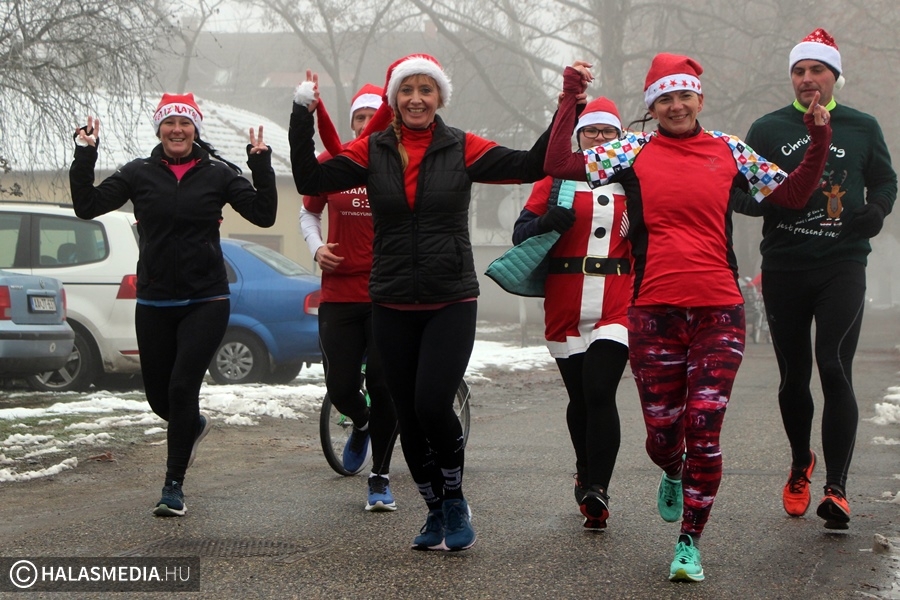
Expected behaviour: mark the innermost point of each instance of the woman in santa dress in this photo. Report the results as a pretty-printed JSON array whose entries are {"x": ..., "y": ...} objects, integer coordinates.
[{"x": 587, "y": 293}]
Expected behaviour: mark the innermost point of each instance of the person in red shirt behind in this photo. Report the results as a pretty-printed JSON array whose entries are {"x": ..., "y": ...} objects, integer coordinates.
[
  {"x": 686, "y": 322},
  {"x": 345, "y": 316}
]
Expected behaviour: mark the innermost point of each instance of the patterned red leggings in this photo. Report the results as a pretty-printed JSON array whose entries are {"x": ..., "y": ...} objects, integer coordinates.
[{"x": 684, "y": 362}]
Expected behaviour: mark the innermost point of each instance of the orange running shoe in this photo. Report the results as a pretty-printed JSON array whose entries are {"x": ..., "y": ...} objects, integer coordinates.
[
  {"x": 834, "y": 508},
  {"x": 795, "y": 496}
]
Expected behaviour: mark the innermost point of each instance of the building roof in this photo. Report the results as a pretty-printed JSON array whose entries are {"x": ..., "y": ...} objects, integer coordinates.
[{"x": 225, "y": 127}]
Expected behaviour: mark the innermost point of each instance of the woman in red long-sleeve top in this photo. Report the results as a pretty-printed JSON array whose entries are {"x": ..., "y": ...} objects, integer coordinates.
[{"x": 686, "y": 321}]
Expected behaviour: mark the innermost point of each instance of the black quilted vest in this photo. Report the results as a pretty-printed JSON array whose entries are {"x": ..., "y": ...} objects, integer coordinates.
[{"x": 421, "y": 256}]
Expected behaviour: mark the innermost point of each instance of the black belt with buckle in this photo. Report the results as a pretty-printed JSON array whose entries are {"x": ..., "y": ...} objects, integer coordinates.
[{"x": 590, "y": 265}]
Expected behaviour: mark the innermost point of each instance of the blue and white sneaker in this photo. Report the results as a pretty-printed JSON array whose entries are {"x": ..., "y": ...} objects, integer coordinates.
[
  {"x": 172, "y": 502},
  {"x": 458, "y": 532},
  {"x": 431, "y": 536},
  {"x": 357, "y": 450},
  {"x": 205, "y": 426},
  {"x": 380, "y": 497}
]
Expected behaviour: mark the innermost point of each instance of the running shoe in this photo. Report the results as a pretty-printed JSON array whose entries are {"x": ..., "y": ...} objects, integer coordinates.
[
  {"x": 834, "y": 508},
  {"x": 686, "y": 566},
  {"x": 595, "y": 508},
  {"x": 431, "y": 536},
  {"x": 795, "y": 496},
  {"x": 203, "y": 429},
  {"x": 172, "y": 502},
  {"x": 357, "y": 450},
  {"x": 669, "y": 500},
  {"x": 580, "y": 490},
  {"x": 458, "y": 532},
  {"x": 380, "y": 497}
]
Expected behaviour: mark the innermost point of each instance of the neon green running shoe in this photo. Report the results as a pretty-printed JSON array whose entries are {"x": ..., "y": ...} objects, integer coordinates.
[
  {"x": 686, "y": 566},
  {"x": 669, "y": 500}
]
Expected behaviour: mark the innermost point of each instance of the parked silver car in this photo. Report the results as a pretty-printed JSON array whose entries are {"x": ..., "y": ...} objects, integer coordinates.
[
  {"x": 96, "y": 260},
  {"x": 34, "y": 335}
]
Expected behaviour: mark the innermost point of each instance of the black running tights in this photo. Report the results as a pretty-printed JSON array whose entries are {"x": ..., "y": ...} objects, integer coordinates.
[
  {"x": 833, "y": 297},
  {"x": 425, "y": 354},
  {"x": 177, "y": 344},
  {"x": 591, "y": 379},
  {"x": 345, "y": 333}
]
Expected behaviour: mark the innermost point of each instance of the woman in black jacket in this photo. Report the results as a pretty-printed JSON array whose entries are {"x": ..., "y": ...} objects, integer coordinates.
[
  {"x": 419, "y": 173},
  {"x": 182, "y": 290}
]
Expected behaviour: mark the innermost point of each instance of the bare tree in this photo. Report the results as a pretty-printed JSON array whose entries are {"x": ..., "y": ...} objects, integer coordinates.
[
  {"x": 188, "y": 34},
  {"x": 55, "y": 55},
  {"x": 338, "y": 33}
]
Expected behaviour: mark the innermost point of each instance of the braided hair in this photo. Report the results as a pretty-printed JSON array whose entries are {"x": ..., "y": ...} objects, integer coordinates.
[
  {"x": 397, "y": 126},
  {"x": 215, "y": 154}
]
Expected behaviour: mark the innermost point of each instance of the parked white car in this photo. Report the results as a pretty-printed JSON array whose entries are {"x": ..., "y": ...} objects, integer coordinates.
[{"x": 90, "y": 258}]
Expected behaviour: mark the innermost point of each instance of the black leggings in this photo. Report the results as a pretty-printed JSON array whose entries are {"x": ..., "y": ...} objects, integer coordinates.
[
  {"x": 591, "y": 379},
  {"x": 425, "y": 355},
  {"x": 834, "y": 297},
  {"x": 177, "y": 344},
  {"x": 345, "y": 334}
]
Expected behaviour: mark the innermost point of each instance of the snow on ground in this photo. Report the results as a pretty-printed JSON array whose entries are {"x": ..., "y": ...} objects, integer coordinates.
[
  {"x": 100, "y": 418},
  {"x": 103, "y": 417}
]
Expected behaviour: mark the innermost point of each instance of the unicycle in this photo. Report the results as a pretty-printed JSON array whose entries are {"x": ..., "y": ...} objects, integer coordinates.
[{"x": 335, "y": 428}]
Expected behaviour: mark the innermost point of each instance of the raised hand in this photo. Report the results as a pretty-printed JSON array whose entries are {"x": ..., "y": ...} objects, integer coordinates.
[
  {"x": 821, "y": 114},
  {"x": 307, "y": 93},
  {"x": 89, "y": 134},
  {"x": 584, "y": 68},
  {"x": 257, "y": 146}
]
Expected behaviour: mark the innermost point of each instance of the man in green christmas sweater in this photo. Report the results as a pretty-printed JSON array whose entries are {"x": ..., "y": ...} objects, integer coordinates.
[{"x": 814, "y": 268}]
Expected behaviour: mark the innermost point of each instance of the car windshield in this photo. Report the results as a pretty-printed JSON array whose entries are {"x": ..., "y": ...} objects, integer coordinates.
[{"x": 277, "y": 261}]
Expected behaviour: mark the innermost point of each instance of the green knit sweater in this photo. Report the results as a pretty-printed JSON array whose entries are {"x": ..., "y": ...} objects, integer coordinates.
[{"x": 858, "y": 171}]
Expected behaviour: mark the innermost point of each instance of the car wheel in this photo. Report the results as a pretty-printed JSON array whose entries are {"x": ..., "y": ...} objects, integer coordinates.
[
  {"x": 241, "y": 358},
  {"x": 77, "y": 374},
  {"x": 284, "y": 373}
]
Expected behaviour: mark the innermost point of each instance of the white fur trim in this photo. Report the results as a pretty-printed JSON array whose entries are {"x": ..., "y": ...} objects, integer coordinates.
[
  {"x": 180, "y": 110},
  {"x": 365, "y": 101},
  {"x": 305, "y": 93},
  {"x": 816, "y": 51},
  {"x": 671, "y": 83},
  {"x": 598, "y": 117},
  {"x": 418, "y": 66},
  {"x": 839, "y": 82}
]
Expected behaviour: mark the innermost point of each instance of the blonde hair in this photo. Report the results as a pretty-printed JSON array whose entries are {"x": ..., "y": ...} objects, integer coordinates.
[{"x": 398, "y": 132}]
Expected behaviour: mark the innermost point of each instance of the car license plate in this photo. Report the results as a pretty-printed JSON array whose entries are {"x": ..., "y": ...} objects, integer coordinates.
[{"x": 43, "y": 304}]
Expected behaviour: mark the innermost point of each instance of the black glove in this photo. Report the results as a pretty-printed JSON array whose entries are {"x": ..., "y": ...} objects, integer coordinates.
[
  {"x": 557, "y": 219},
  {"x": 866, "y": 220}
]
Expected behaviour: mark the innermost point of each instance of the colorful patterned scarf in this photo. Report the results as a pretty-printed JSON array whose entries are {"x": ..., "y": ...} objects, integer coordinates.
[{"x": 602, "y": 162}]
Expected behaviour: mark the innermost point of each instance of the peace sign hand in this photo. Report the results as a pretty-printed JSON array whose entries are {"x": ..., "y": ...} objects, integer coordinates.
[
  {"x": 257, "y": 145},
  {"x": 89, "y": 134},
  {"x": 307, "y": 93}
]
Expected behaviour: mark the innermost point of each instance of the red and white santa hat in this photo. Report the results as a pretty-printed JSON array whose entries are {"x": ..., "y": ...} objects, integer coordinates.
[
  {"x": 182, "y": 105},
  {"x": 671, "y": 73},
  {"x": 599, "y": 111},
  {"x": 820, "y": 46},
  {"x": 368, "y": 96},
  {"x": 416, "y": 64}
]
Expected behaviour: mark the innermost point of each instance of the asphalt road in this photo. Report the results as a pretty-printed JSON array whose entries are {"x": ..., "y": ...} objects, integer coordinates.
[{"x": 269, "y": 518}]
